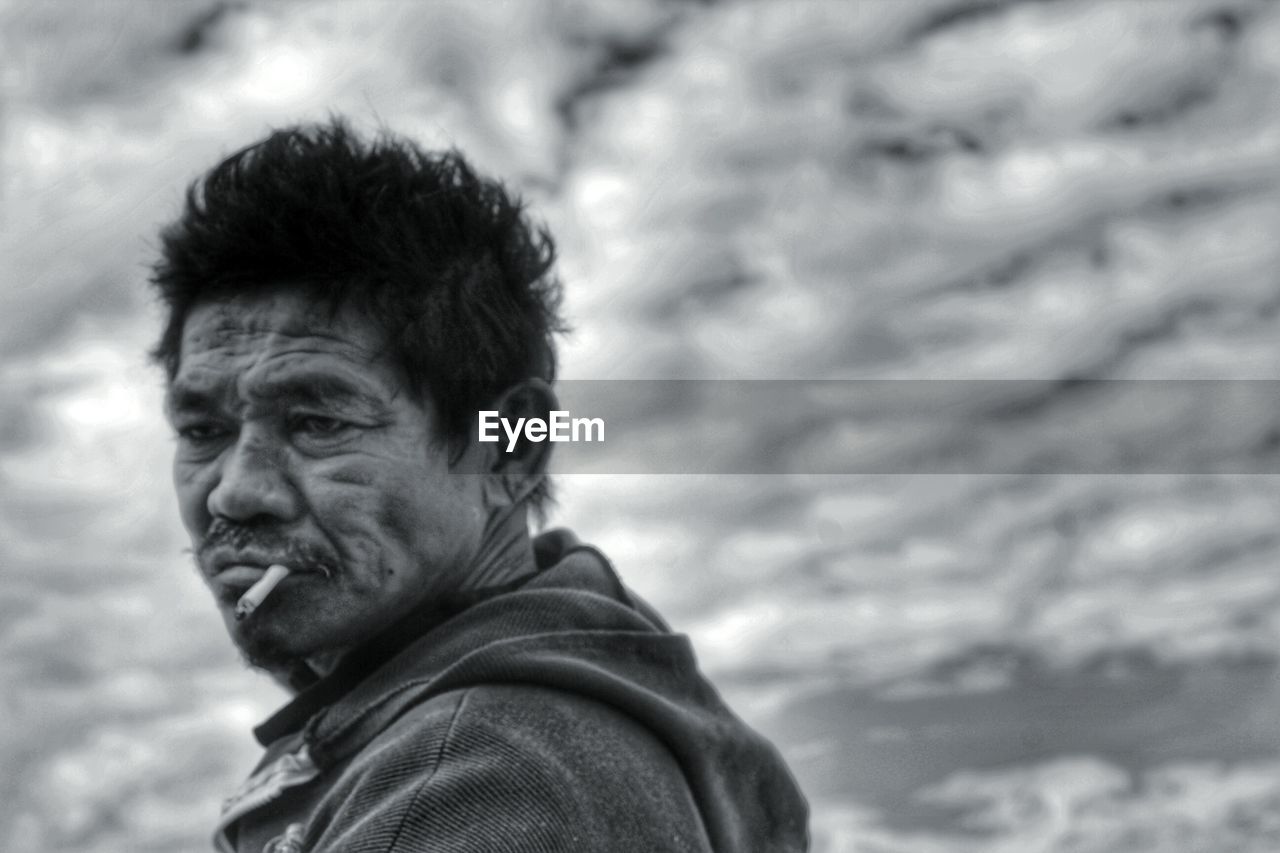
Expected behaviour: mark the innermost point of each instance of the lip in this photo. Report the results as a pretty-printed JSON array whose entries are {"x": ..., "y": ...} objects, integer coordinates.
[
  {"x": 224, "y": 556},
  {"x": 256, "y": 559},
  {"x": 241, "y": 574},
  {"x": 227, "y": 566}
]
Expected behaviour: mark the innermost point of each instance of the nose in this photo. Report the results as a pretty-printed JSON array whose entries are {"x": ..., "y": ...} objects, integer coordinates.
[{"x": 254, "y": 483}]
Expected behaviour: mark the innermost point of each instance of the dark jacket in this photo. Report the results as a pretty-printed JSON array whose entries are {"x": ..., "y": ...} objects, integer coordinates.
[{"x": 558, "y": 716}]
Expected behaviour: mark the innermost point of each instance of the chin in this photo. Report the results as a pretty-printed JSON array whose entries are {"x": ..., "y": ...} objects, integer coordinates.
[
  {"x": 267, "y": 654},
  {"x": 266, "y": 644}
]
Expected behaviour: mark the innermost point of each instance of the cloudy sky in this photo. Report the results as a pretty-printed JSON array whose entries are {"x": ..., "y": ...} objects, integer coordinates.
[{"x": 955, "y": 654}]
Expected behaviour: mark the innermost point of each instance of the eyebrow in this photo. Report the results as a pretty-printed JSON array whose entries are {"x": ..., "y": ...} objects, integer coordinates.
[{"x": 315, "y": 389}]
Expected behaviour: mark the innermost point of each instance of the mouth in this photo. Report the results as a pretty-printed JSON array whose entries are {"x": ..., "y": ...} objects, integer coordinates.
[
  {"x": 240, "y": 575},
  {"x": 233, "y": 581},
  {"x": 243, "y": 568}
]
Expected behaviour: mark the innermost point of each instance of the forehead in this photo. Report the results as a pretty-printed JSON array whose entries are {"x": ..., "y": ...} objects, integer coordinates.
[{"x": 278, "y": 331}]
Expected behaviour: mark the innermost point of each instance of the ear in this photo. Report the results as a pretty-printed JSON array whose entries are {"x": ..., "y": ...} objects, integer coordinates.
[{"x": 517, "y": 465}]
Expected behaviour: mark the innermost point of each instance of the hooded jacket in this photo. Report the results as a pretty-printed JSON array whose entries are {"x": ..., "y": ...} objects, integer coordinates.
[{"x": 561, "y": 715}]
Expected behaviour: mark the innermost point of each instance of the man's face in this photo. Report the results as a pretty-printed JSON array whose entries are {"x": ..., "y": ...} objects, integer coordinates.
[{"x": 298, "y": 443}]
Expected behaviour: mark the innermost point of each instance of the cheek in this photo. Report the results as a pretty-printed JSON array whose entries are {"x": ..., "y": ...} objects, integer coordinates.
[
  {"x": 395, "y": 521},
  {"x": 350, "y": 476},
  {"x": 342, "y": 494},
  {"x": 403, "y": 525},
  {"x": 434, "y": 524},
  {"x": 376, "y": 519}
]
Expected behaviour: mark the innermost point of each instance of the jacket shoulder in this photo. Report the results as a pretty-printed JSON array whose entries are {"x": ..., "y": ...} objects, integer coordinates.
[{"x": 511, "y": 767}]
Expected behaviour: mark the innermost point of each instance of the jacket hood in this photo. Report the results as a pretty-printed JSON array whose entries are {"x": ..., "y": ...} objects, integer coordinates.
[{"x": 576, "y": 628}]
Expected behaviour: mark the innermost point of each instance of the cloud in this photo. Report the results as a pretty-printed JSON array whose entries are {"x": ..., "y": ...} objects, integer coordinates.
[{"x": 881, "y": 190}]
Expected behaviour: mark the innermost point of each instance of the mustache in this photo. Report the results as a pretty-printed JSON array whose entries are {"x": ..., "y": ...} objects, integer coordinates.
[{"x": 296, "y": 554}]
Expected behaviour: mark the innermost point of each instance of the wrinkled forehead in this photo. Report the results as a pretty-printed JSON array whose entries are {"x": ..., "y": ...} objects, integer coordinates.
[
  {"x": 279, "y": 315},
  {"x": 276, "y": 331},
  {"x": 273, "y": 310}
]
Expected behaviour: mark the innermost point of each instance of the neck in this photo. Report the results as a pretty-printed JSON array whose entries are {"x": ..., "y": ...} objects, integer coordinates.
[{"x": 505, "y": 553}]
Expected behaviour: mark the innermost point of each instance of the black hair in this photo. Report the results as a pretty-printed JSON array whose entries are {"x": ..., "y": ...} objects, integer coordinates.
[{"x": 445, "y": 262}]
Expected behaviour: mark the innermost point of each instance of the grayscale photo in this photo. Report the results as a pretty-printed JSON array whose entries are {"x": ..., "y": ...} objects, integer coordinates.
[{"x": 723, "y": 426}]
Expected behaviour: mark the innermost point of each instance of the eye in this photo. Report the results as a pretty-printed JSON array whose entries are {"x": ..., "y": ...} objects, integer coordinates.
[
  {"x": 318, "y": 426},
  {"x": 201, "y": 432}
]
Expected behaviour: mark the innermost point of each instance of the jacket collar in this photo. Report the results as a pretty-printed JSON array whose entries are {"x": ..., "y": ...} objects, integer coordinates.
[
  {"x": 319, "y": 693},
  {"x": 574, "y": 589}
]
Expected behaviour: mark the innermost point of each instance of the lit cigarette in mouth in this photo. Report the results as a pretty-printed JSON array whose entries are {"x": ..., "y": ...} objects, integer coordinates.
[{"x": 259, "y": 591}]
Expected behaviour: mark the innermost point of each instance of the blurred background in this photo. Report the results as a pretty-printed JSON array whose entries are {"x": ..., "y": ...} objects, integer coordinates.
[{"x": 863, "y": 189}]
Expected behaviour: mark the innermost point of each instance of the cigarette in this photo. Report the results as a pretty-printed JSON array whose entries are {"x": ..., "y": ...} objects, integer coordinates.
[{"x": 254, "y": 596}]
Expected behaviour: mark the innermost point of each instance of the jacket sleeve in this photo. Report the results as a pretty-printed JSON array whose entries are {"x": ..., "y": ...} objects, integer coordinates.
[{"x": 511, "y": 769}]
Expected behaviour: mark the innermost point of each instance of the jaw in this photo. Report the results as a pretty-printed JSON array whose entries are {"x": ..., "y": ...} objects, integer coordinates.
[
  {"x": 313, "y": 622},
  {"x": 265, "y": 639},
  {"x": 325, "y": 662}
]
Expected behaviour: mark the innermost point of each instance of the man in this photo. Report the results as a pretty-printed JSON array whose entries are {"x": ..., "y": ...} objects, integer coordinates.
[{"x": 338, "y": 312}]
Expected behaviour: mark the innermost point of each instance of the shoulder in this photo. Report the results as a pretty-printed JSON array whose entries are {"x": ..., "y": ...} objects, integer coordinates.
[
  {"x": 524, "y": 767},
  {"x": 563, "y": 753}
]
